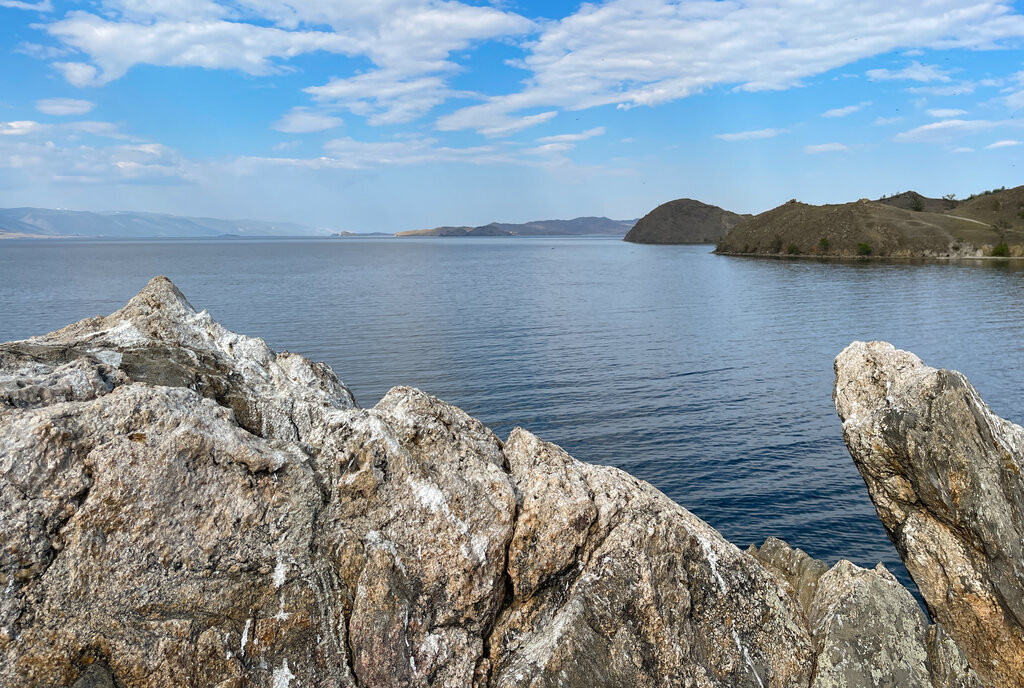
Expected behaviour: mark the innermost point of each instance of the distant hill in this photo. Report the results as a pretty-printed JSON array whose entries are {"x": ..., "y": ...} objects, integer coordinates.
[
  {"x": 41, "y": 222},
  {"x": 911, "y": 200},
  {"x": 684, "y": 221},
  {"x": 579, "y": 226},
  {"x": 975, "y": 227}
]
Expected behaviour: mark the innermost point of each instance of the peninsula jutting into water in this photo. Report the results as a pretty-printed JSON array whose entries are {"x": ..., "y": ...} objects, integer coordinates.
[{"x": 907, "y": 225}]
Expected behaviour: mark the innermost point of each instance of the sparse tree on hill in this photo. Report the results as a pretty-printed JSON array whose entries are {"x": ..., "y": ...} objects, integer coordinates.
[
  {"x": 950, "y": 200},
  {"x": 916, "y": 204}
]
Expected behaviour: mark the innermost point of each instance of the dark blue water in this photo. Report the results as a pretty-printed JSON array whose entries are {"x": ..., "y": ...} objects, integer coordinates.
[{"x": 708, "y": 376}]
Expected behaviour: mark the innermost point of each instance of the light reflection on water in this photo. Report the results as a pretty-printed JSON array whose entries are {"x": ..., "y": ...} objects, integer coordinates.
[{"x": 708, "y": 376}]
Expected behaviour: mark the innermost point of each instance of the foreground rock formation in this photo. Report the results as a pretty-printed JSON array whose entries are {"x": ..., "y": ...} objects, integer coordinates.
[
  {"x": 179, "y": 505},
  {"x": 944, "y": 473}
]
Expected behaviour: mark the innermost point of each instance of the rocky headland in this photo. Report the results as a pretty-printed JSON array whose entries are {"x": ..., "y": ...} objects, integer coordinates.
[
  {"x": 684, "y": 221},
  {"x": 906, "y": 225},
  {"x": 182, "y": 506}
]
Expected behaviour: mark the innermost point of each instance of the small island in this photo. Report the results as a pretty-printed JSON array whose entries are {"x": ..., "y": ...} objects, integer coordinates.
[{"x": 907, "y": 225}]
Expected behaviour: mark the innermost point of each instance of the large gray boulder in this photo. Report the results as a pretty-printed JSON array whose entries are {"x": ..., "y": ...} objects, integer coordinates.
[
  {"x": 180, "y": 505},
  {"x": 944, "y": 473}
]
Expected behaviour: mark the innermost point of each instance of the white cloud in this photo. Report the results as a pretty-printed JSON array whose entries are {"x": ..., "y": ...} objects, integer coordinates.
[
  {"x": 410, "y": 42},
  {"x": 385, "y": 97},
  {"x": 286, "y": 145},
  {"x": 946, "y": 130},
  {"x": 962, "y": 149},
  {"x": 47, "y": 162},
  {"x": 646, "y": 52},
  {"x": 748, "y": 135},
  {"x": 913, "y": 72},
  {"x": 489, "y": 123},
  {"x": 825, "y": 148},
  {"x": 115, "y": 47},
  {"x": 1015, "y": 99},
  {"x": 626, "y": 53},
  {"x": 883, "y": 121},
  {"x": 569, "y": 138},
  {"x": 19, "y": 128},
  {"x": 963, "y": 88},
  {"x": 844, "y": 111},
  {"x": 1002, "y": 144},
  {"x": 945, "y": 113},
  {"x": 301, "y": 120},
  {"x": 64, "y": 106},
  {"x": 78, "y": 74},
  {"x": 549, "y": 149},
  {"x": 41, "y": 52},
  {"x": 348, "y": 153},
  {"x": 40, "y": 6}
]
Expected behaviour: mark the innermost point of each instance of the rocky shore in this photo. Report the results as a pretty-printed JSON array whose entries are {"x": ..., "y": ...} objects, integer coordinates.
[{"x": 182, "y": 506}]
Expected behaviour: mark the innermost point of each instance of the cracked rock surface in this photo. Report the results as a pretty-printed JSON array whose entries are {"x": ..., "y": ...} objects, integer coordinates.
[
  {"x": 944, "y": 473},
  {"x": 182, "y": 506}
]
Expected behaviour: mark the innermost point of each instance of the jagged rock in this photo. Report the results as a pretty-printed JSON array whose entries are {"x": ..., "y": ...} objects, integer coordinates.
[
  {"x": 868, "y": 631},
  {"x": 866, "y": 627},
  {"x": 616, "y": 585},
  {"x": 160, "y": 339},
  {"x": 944, "y": 473},
  {"x": 179, "y": 505},
  {"x": 800, "y": 571}
]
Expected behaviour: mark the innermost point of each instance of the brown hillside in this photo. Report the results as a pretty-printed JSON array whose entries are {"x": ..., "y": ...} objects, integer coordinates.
[
  {"x": 911, "y": 200},
  {"x": 865, "y": 228},
  {"x": 992, "y": 206},
  {"x": 684, "y": 221}
]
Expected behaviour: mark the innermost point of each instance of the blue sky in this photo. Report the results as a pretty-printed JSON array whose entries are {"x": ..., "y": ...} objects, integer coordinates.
[{"x": 402, "y": 114}]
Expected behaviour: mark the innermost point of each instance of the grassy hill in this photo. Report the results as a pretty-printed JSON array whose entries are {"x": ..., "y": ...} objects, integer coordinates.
[
  {"x": 984, "y": 225},
  {"x": 684, "y": 221}
]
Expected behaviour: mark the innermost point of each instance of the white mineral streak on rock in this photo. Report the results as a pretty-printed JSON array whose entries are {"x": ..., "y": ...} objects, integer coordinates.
[
  {"x": 746, "y": 654},
  {"x": 245, "y": 637},
  {"x": 111, "y": 358},
  {"x": 280, "y": 572},
  {"x": 283, "y": 675},
  {"x": 712, "y": 559},
  {"x": 281, "y": 615},
  {"x": 375, "y": 539}
]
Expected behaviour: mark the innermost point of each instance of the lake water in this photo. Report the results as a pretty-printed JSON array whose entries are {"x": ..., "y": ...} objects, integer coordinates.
[{"x": 708, "y": 376}]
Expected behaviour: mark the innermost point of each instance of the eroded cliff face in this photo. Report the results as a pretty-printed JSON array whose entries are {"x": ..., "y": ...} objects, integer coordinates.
[
  {"x": 179, "y": 505},
  {"x": 944, "y": 473}
]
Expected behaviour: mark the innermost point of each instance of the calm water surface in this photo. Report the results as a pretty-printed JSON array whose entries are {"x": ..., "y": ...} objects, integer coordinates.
[{"x": 708, "y": 376}]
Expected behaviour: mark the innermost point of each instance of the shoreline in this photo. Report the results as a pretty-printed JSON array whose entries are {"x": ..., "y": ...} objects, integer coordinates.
[{"x": 866, "y": 259}]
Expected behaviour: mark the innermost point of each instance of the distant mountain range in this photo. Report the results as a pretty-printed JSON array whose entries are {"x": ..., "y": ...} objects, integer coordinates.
[
  {"x": 47, "y": 223},
  {"x": 579, "y": 226},
  {"x": 41, "y": 222}
]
